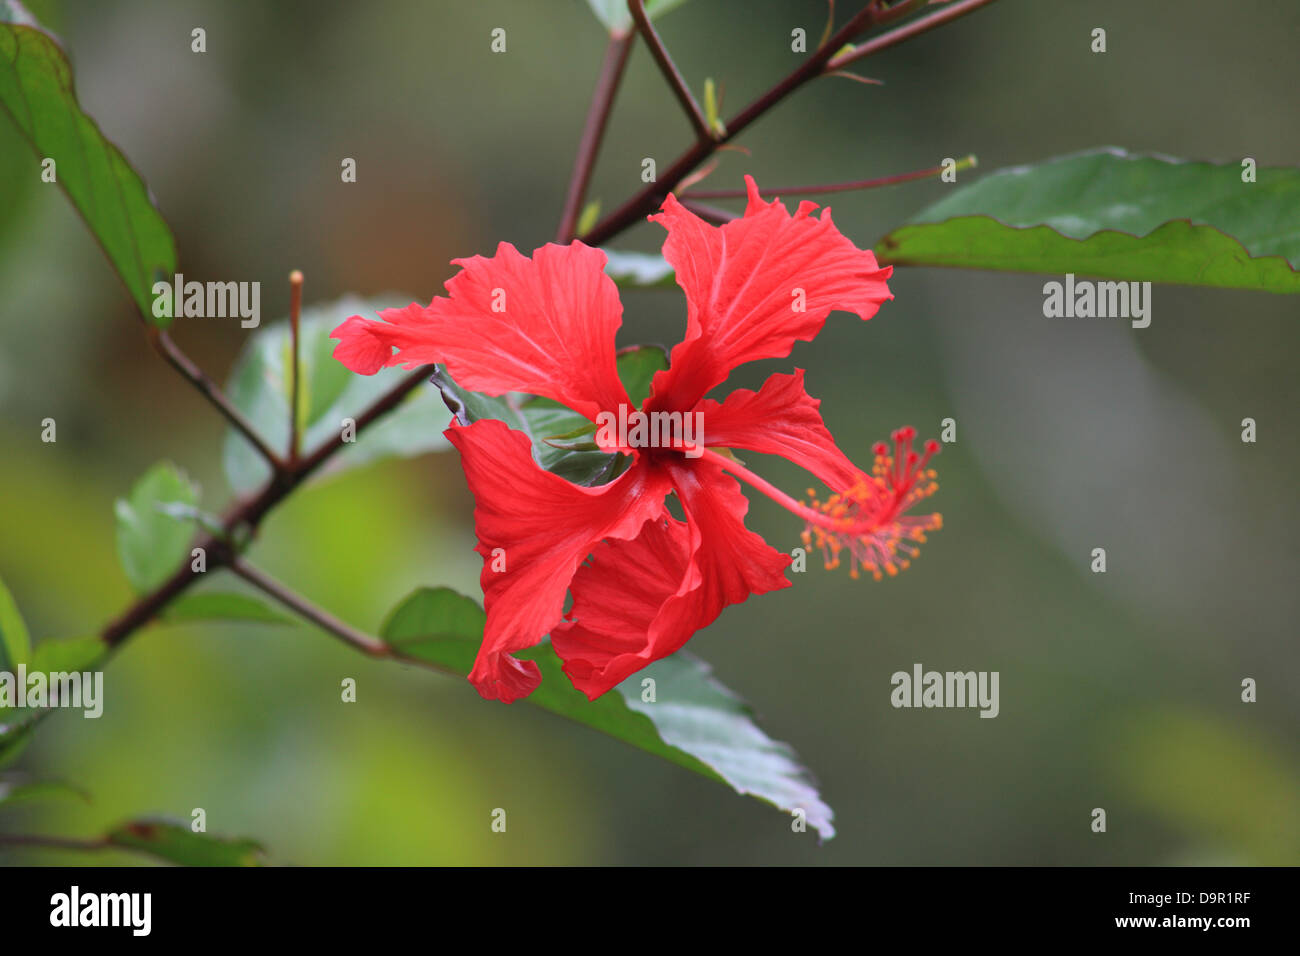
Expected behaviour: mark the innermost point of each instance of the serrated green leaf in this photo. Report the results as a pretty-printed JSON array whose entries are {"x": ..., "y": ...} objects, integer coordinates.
[
  {"x": 219, "y": 606},
  {"x": 179, "y": 844},
  {"x": 1114, "y": 215},
  {"x": 692, "y": 721},
  {"x": 15, "y": 642},
  {"x": 150, "y": 542},
  {"x": 639, "y": 270},
  {"x": 38, "y": 95},
  {"x": 329, "y": 392}
]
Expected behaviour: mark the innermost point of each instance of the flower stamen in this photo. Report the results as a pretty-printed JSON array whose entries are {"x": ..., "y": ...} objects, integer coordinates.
[{"x": 867, "y": 519}]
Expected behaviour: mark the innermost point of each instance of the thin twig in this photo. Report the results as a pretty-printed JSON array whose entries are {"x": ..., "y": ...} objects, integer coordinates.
[
  {"x": 52, "y": 842},
  {"x": 964, "y": 163},
  {"x": 248, "y": 513},
  {"x": 647, "y": 199},
  {"x": 295, "y": 369},
  {"x": 602, "y": 102},
  {"x": 711, "y": 213},
  {"x": 319, "y": 616},
  {"x": 210, "y": 390},
  {"x": 365, "y": 643},
  {"x": 912, "y": 29},
  {"x": 669, "y": 69}
]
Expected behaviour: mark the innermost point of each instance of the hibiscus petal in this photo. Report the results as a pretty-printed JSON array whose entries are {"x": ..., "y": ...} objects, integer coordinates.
[
  {"x": 756, "y": 285},
  {"x": 781, "y": 418},
  {"x": 534, "y": 530},
  {"x": 543, "y": 325},
  {"x": 637, "y": 601}
]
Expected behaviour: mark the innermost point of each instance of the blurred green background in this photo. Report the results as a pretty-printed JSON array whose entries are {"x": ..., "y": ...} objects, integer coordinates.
[{"x": 1119, "y": 690}]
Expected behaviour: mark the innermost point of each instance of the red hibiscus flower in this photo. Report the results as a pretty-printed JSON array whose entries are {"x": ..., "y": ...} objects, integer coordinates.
[{"x": 643, "y": 581}]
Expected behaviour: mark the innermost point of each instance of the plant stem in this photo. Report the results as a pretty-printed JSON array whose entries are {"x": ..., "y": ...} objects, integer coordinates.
[
  {"x": 248, "y": 513},
  {"x": 823, "y": 60},
  {"x": 51, "y": 842},
  {"x": 964, "y": 163},
  {"x": 318, "y": 616},
  {"x": 907, "y": 31},
  {"x": 669, "y": 69},
  {"x": 711, "y": 213},
  {"x": 602, "y": 103},
  {"x": 295, "y": 370},
  {"x": 210, "y": 390}
]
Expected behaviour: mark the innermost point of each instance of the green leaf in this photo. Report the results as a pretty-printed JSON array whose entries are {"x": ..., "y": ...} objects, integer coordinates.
[
  {"x": 15, "y": 643},
  {"x": 72, "y": 654},
  {"x": 636, "y": 368},
  {"x": 693, "y": 721},
  {"x": 13, "y": 793},
  {"x": 1118, "y": 216},
  {"x": 37, "y": 93},
  {"x": 329, "y": 392},
  {"x": 218, "y": 606},
  {"x": 639, "y": 270},
  {"x": 179, "y": 844},
  {"x": 542, "y": 418},
  {"x": 695, "y": 713},
  {"x": 151, "y": 542},
  {"x": 614, "y": 14}
]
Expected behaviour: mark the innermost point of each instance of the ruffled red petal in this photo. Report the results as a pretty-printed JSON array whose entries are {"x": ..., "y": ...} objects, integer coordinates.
[
  {"x": 543, "y": 325},
  {"x": 781, "y": 418},
  {"x": 755, "y": 286},
  {"x": 640, "y": 600},
  {"x": 534, "y": 529}
]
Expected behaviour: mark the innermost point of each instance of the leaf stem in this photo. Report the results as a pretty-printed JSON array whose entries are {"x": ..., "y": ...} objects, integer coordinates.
[
  {"x": 327, "y": 622},
  {"x": 602, "y": 103},
  {"x": 319, "y": 616},
  {"x": 210, "y": 390}
]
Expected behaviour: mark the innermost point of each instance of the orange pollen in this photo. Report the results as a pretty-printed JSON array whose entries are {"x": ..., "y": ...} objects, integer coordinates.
[{"x": 867, "y": 519}]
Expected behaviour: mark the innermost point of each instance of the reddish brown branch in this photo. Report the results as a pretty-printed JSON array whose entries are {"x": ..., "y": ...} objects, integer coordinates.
[
  {"x": 602, "y": 103},
  {"x": 248, "y": 514},
  {"x": 826, "y": 188},
  {"x": 822, "y": 61},
  {"x": 669, "y": 69},
  {"x": 210, "y": 390}
]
